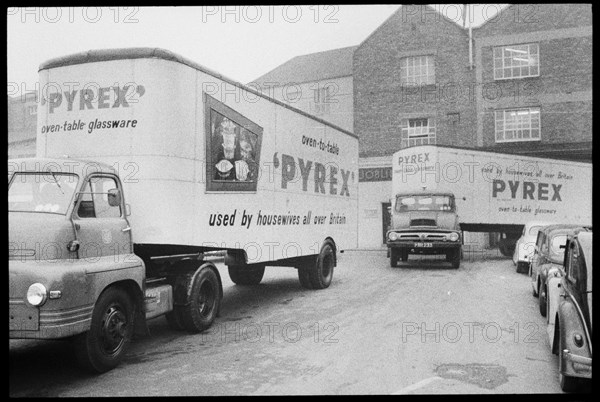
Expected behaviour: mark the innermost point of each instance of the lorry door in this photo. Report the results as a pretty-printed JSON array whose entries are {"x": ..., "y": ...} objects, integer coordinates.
[
  {"x": 386, "y": 218},
  {"x": 102, "y": 230}
]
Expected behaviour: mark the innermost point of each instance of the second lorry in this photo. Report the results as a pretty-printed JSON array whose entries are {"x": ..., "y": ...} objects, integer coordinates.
[{"x": 438, "y": 192}]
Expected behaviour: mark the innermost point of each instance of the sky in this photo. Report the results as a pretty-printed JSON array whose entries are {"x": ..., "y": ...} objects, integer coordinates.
[{"x": 240, "y": 42}]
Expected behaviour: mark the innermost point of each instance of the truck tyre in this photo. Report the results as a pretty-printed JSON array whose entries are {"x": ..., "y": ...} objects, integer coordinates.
[
  {"x": 542, "y": 301},
  {"x": 456, "y": 258},
  {"x": 404, "y": 255},
  {"x": 244, "y": 275},
  {"x": 304, "y": 278},
  {"x": 320, "y": 273},
  {"x": 102, "y": 347},
  {"x": 393, "y": 257},
  {"x": 204, "y": 300}
]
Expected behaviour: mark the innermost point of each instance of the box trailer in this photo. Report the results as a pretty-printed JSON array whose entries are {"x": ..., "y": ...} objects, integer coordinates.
[
  {"x": 146, "y": 163},
  {"x": 439, "y": 191}
]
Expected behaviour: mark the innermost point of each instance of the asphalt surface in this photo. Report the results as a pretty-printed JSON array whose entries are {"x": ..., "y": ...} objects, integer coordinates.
[{"x": 422, "y": 328}]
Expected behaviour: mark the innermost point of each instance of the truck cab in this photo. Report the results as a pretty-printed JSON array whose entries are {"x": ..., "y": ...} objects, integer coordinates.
[
  {"x": 69, "y": 249},
  {"x": 424, "y": 223}
]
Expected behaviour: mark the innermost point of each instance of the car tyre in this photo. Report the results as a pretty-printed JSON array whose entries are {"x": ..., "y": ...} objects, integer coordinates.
[{"x": 542, "y": 301}]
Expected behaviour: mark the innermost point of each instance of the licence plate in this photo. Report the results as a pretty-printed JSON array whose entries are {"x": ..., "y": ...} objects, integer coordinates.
[{"x": 423, "y": 244}]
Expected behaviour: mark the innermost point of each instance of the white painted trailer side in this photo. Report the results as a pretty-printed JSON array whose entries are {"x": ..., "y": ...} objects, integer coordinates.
[
  {"x": 172, "y": 119},
  {"x": 496, "y": 188}
]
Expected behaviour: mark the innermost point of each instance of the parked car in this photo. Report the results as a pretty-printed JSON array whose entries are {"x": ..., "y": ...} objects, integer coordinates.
[
  {"x": 548, "y": 257},
  {"x": 526, "y": 244},
  {"x": 572, "y": 339}
]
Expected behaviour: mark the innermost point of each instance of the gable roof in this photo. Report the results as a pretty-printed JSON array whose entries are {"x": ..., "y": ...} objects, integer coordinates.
[
  {"x": 430, "y": 11},
  {"x": 310, "y": 67}
]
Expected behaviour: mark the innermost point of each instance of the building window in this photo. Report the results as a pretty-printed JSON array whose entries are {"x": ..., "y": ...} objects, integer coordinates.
[
  {"x": 419, "y": 131},
  {"x": 32, "y": 110},
  {"x": 321, "y": 100},
  {"x": 417, "y": 70},
  {"x": 518, "y": 125},
  {"x": 516, "y": 61}
]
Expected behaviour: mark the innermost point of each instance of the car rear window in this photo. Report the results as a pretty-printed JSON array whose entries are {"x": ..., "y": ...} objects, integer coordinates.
[{"x": 533, "y": 231}]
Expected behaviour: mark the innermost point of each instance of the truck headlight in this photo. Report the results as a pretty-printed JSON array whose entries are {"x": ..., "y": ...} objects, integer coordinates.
[
  {"x": 37, "y": 294},
  {"x": 393, "y": 236},
  {"x": 453, "y": 236}
]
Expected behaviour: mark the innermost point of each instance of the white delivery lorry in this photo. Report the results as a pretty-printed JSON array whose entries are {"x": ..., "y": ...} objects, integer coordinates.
[
  {"x": 439, "y": 191},
  {"x": 146, "y": 162}
]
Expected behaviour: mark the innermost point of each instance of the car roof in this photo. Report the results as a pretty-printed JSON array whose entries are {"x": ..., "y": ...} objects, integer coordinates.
[
  {"x": 539, "y": 223},
  {"x": 562, "y": 228}
]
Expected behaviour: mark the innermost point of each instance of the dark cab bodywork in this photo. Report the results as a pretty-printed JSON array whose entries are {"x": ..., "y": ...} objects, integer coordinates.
[
  {"x": 548, "y": 258},
  {"x": 573, "y": 336}
]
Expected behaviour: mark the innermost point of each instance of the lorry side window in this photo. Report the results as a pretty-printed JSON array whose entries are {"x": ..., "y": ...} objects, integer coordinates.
[
  {"x": 94, "y": 202},
  {"x": 86, "y": 206},
  {"x": 100, "y": 187}
]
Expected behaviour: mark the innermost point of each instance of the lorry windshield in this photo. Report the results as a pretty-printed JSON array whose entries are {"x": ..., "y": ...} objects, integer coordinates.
[
  {"x": 424, "y": 203},
  {"x": 41, "y": 192}
]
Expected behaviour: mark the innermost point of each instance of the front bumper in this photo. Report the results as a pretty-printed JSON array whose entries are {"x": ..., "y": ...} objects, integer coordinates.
[
  {"x": 29, "y": 322},
  {"x": 576, "y": 365},
  {"x": 420, "y": 247}
]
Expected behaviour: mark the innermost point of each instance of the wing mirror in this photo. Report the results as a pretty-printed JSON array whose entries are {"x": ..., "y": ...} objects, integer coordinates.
[{"x": 114, "y": 197}]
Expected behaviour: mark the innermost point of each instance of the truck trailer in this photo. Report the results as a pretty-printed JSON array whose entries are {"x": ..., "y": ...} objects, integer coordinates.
[
  {"x": 146, "y": 163},
  {"x": 438, "y": 192}
]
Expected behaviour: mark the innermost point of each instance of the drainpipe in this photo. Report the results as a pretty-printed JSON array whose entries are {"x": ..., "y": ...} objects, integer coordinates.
[{"x": 470, "y": 38}]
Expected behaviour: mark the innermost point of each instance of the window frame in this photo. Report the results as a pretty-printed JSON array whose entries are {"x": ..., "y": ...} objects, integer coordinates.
[
  {"x": 405, "y": 69},
  {"x": 409, "y": 140},
  {"x": 88, "y": 183},
  {"x": 517, "y": 129},
  {"x": 503, "y": 67}
]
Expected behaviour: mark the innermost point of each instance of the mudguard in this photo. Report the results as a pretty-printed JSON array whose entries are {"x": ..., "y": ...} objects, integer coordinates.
[{"x": 576, "y": 361}]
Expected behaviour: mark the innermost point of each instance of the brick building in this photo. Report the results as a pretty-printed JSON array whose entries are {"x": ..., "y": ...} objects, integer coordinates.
[
  {"x": 317, "y": 83},
  {"x": 22, "y": 123},
  {"x": 534, "y": 67},
  {"x": 523, "y": 87}
]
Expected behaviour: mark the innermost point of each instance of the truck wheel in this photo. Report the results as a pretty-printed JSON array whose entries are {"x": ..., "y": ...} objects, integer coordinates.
[
  {"x": 243, "y": 275},
  {"x": 404, "y": 255},
  {"x": 320, "y": 274},
  {"x": 304, "y": 278},
  {"x": 102, "y": 347},
  {"x": 542, "y": 301},
  {"x": 204, "y": 301},
  {"x": 456, "y": 258}
]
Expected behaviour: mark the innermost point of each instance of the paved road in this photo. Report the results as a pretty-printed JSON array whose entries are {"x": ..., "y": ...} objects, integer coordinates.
[{"x": 422, "y": 328}]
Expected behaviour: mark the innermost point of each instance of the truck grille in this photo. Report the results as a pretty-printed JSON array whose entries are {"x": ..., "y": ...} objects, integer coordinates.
[
  {"x": 422, "y": 236},
  {"x": 423, "y": 222}
]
